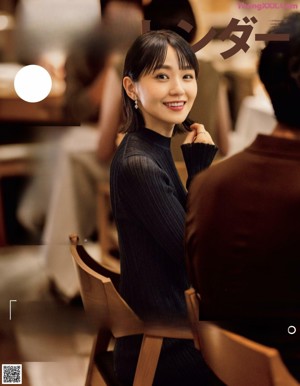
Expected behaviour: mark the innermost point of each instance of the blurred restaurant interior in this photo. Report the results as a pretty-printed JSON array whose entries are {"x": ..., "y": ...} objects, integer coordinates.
[{"x": 48, "y": 188}]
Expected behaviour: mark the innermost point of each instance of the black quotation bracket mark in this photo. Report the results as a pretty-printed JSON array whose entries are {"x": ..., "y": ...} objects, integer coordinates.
[{"x": 10, "y": 304}]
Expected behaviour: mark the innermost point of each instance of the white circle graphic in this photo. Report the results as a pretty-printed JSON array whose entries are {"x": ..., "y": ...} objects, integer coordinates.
[
  {"x": 292, "y": 330},
  {"x": 33, "y": 83}
]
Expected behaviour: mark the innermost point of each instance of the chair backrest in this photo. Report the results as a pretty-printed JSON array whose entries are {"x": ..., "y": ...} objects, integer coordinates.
[
  {"x": 234, "y": 359},
  {"x": 104, "y": 270},
  {"x": 102, "y": 302}
]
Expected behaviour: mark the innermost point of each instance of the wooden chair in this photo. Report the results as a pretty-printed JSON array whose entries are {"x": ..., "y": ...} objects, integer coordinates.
[
  {"x": 234, "y": 359},
  {"x": 107, "y": 232},
  {"x": 113, "y": 318}
]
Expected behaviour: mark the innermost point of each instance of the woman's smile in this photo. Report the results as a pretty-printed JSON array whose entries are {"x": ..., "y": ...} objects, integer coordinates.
[{"x": 175, "y": 106}]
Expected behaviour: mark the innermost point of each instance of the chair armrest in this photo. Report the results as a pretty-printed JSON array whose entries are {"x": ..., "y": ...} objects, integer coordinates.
[{"x": 180, "y": 330}]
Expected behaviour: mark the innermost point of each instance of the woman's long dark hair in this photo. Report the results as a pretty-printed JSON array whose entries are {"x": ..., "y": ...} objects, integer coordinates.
[{"x": 148, "y": 53}]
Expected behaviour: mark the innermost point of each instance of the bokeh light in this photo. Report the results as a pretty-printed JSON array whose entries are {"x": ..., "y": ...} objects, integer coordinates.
[{"x": 33, "y": 83}]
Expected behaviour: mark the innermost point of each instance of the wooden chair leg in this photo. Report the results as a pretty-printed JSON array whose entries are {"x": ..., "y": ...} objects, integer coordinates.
[
  {"x": 89, "y": 374},
  {"x": 148, "y": 359},
  {"x": 2, "y": 220},
  {"x": 100, "y": 343},
  {"x": 103, "y": 221}
]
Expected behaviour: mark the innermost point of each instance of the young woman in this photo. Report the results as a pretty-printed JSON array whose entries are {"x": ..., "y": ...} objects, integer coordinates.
[{"x": 148, "y": 199}]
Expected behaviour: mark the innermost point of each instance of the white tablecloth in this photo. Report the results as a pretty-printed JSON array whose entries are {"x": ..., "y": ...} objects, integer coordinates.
[{"x": 255, "y": 116}]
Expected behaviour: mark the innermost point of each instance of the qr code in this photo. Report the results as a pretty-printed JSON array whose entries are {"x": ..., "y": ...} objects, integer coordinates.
[{"x": 11, "y": 374}]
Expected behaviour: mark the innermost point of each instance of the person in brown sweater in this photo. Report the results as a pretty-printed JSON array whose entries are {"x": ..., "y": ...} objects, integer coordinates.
[{"x": 243, "y": 219}]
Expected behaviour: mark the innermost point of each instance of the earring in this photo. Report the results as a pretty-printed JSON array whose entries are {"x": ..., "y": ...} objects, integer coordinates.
[{"x": 136, "y": 104}]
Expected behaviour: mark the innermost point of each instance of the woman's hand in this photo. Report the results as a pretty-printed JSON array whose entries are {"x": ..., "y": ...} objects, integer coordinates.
[{"x": 198, "y": 135}]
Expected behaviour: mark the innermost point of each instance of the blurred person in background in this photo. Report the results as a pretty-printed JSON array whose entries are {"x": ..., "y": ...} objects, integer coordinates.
[
  {"x": 82, "y": 154},
  {"x": 47, "y": 44},
  {"x": 92, "y": 96},
  {"x": 88, "y": 159},
  {"x": 243, "y": 218}
]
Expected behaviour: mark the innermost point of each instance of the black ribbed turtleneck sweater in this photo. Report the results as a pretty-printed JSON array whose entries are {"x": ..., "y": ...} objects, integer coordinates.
[{"x": 148, "y": 203}]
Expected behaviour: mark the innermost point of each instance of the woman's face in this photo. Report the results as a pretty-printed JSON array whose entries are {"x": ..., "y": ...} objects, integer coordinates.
[{"x": 165, "y": 97}]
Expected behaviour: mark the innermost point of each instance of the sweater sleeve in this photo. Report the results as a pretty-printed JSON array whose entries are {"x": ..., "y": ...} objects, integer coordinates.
[
  {"x": 197, "y": 157},
  {"x": 152, "y": 199}
]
